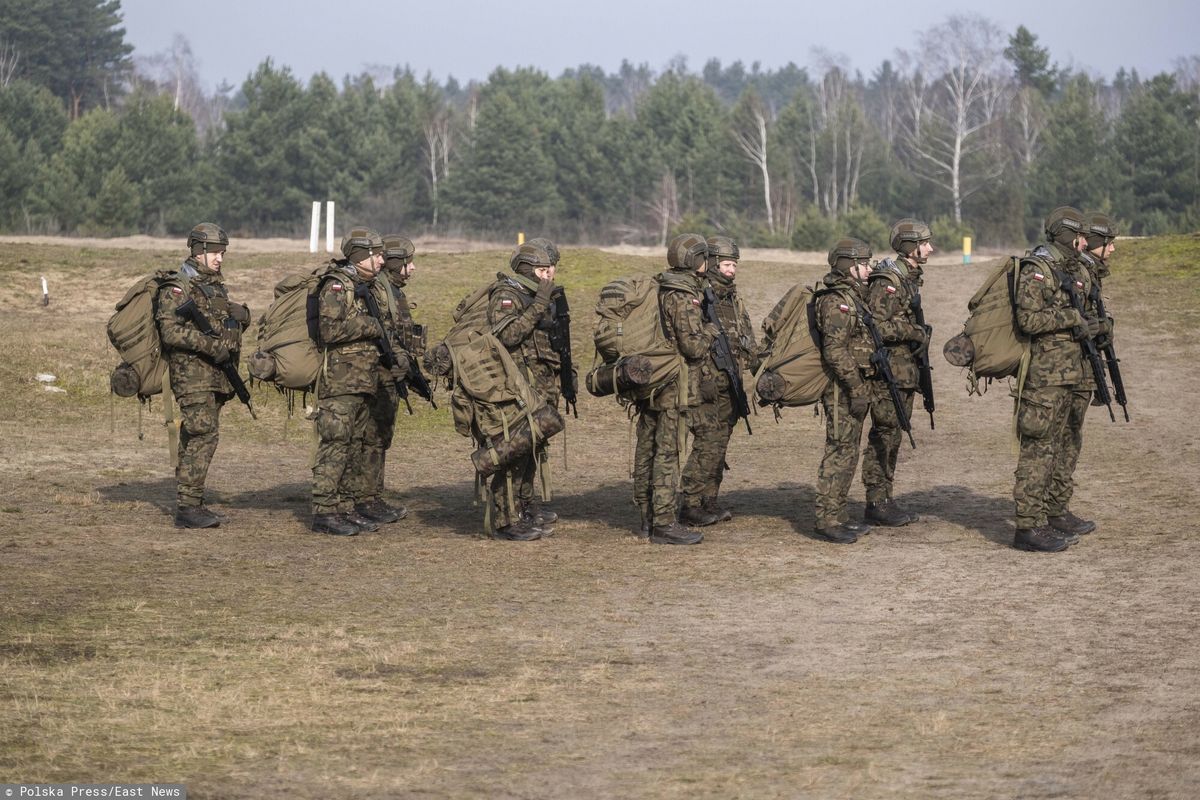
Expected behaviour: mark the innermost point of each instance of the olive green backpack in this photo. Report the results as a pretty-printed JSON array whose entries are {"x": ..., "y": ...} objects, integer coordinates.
[
  {"x": 997, "y": 347},
  {"x": 629, "y": 323},
  {"x": 793, "y": 373},
  {"x": 133, "y": 331}
]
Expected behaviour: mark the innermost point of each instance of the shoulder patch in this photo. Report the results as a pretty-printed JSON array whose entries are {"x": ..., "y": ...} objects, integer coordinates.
[
  {"x": 890, "y": 289},
  {"x": 337, "y": 287},
  {"x": 1078, "y": 284},
  {"x": 176, "y": 290},
  {"x": 845, "y": 309},
  {"x": 506, "y": 303},
  {"x": 695, "y": 301},
  {"x": 1037, "y": 276}
]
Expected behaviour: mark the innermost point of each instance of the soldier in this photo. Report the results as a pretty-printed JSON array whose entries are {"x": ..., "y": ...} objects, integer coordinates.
[
  {"x": 893, "y": 295},
  {"x": 1098, "y": 235},
  {"x": 398, "y": 267},
  {"x": 664, "y": 416},
  {"x": 197, "y": 381},
  {"x": 846, "y": 349},
  {"x": 520, "y": 310},
  {"x": 715, "y": 417},
  {"x": 1056, "y": 368},
  {"x": 350, "y": 377}
]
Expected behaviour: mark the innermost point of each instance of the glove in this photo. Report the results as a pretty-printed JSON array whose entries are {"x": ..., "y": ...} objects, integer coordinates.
[
  {"x": 402, "y": 366},
  {"x": 860, "y": 401},
  {"x": 544, "y": 291},
  {"x": 919, "y": 341},
  {"x": 240, "y": 313},
  {"x": 1094, "y": 327},
  {"x": 220, "y": 354}
]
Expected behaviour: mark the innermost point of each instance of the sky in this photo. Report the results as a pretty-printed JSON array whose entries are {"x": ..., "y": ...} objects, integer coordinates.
[{"x": 229, "y": 38}]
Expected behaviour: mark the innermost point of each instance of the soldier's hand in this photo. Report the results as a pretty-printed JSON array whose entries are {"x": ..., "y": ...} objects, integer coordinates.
[
  {"x": 220, "y": 354},
  {"x": 544, "y": 291},
  {"x": 402, "y": 366},
  {"x": 1094, "y": 327},
  {"x": 920, "y": 341},
  {"x": 860, "y": 402},
  {"x": 240, "y": 313}
]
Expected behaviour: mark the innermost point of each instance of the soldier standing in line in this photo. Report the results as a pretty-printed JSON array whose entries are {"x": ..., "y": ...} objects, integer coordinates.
[
  {"x": 195, "y": 359},
  {"x": 350, "y": 377},
  {"x": 1056, "y": 368},
  {"x": 893, "y": 295},
  {"x": 846, "y": 349},
  {"x": 715, "y": 417},
  {"x": 1098, "y": 236},
  {"x": 663, "y": 417},
  {"x": 519, "y": 306}
]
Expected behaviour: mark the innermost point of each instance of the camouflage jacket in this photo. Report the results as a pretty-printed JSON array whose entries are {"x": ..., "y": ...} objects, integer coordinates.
[
  {"x": 845, "y": 342},
  {"x": 735, "y": 321},
  {"x": 1045, "y": 314},
  {"x": 405, "y": 332},
  {"x": 351, "y": 361},
  {"x": 679, "y": 299},
  {"x": 190, "y": 352},
  {"x": 522, "y": 322},
  {"x": 892, "y": 290}
]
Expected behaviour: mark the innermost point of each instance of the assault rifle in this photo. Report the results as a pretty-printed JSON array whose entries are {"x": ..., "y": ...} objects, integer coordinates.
[
  {"x": 722, "y": 356},
  {"x": 191, "y": 312},
  {"x": 1110, "y": 356},
  {"x": 387, "y": 355},
  {"x": 1067, "y": 283},
  {"x": 924, "y": 369},
  {"x": 881, "y": 360},
  {"x": 558, "y": 328}
]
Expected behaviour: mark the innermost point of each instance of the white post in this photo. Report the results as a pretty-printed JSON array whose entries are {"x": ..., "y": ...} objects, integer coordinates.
[
  {"x": 315, "y": 229},
  {"x": 329, "y": 226},
  {"x": 45, "y": 292}
]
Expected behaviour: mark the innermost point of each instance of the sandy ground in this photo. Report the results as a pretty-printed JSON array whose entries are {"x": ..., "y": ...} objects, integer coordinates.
[{"x": 932, "y": 661}]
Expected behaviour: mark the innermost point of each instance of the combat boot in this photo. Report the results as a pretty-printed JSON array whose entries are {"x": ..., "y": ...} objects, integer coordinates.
[
  {"x": 1067, "y": 522},
  {"x": 722, "y": 514},
  {"x": 674, "y": 533},
  {"x": 362, "y": 522},
  {"x": 838, "y": 534},
  {"x": 540, "y": 516},
  {"x": 695, "y": 515},
  {"x": 889, "y": 514},
  {"x": 195, "y": 517},
  {"x": 644, "y": 530},
  {"x": 859, "y": 528},
  {"x": 519, "y": 531},
  {"x": 378, "y": 511},
  {"x": 1040, "y": 539},
  {"x": 333, "y": 524},
  {"x": 220, "y": 515}
]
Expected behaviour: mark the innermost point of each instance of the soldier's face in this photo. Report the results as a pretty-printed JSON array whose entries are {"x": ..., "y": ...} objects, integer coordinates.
[
  {"x": 369, "y": 267},
  {"x": 861, "y": 271},
  {"x": 211, "y": 260},
  {"x": 1105, "y": 250},
  {"x": 925, "y": 249},
  {"x": 408, "y": 269},
  {"x": 544, "y": 273},
  {"x": 727, "y": 267}
]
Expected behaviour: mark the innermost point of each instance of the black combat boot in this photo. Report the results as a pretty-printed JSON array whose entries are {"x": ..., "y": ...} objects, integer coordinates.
[
  {"x": 333, "y": 524},
  {"x": 378, "y": 511},
  {"x": 859, "y": 528},
  {"x": 722, "y": 514},
  {"x": 1067, "y": 522},
  {"x": 540, "y": 516},
  {"x": 220, "y": 515},
  {"x": 889, "y": 514},
  {"x": 647, "y": 524},
  {"x": 519, "y": 531},
  {"x": 1040, "y": 539},
  {"x": 838, "y": 534},
  {"x": 195, "y": 517},
  {"x": 695, "y": 515},
  {"x": 362, "y": 522},
  {"x": 674, "y": 533}
]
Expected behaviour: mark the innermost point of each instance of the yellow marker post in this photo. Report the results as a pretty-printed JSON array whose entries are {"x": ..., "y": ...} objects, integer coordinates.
[
  {"x": 520, "y": 238},
  {"x": 966, "y": 249}
]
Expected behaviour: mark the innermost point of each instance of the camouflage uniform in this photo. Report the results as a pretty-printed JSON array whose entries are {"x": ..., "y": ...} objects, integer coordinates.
[
  {"x": 846, "y": 349},
  {"x": 714, "y": 420},
  {"x": 892, "y": 290},
  {"x": 1056, "y": 368},
  {"x": 350, "y": 378},
  {"x": 517, "y": 314},
  {"x": 199, "y": 385},
  {"x": 665, "y": 415}
]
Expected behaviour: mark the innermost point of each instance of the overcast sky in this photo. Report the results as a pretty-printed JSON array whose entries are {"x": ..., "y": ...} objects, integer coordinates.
[{"x": 229, "y": 38}]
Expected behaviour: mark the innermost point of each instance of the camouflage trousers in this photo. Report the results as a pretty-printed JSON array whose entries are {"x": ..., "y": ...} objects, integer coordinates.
[
  {"x": 656, "y": 462},
  {"x": 705, "y": 468},
  {"x": 883, "y": 441},
  {"x": 1062, "y": 483},
  {"x": 843, "y": 432},
  {"x": 519, "y": 479},
  {"x": 1041, "y": 418},
  {"x": 342, "y": 421},
  {"x": 199, "y": 415},
  {"x": 367, "y": 483}
]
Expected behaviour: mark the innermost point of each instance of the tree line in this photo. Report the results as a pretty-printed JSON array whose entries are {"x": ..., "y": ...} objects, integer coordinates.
[{"x": 979, "y": 133}]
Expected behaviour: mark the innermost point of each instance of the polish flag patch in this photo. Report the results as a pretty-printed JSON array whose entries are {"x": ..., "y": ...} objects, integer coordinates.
[
  {"x": 695, "y": 302},
  {"x": 506, "y": 303},
  {"x": 1037, "y": 276},
  {"x": 176, "y": 290},
  {"x": 337, "y": 287},
  {"x": 1078, "y": 284},
  {"x": 845, "y": 309},
  {"x": 890, "y": 289}
]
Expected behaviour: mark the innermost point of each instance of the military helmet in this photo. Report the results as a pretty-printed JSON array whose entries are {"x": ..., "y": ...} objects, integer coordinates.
[
  {"x": 531, "y": 256},
  {"x": 1099, "y": 229},
  {"x": 848, "y": 250},
  {"x": 360, "y": 243},
  {"x": 959, "y": 350},
  {"x": 399, "y": 248},
  {"x": 687, "y": 251},
  {"x": 722, "y": 248},
  {"x": 550, "y": 248},
  {"x": 1063, "y": 224},
  {"x": 207, "y": 237},
  {"x": 907, "y": 234}
]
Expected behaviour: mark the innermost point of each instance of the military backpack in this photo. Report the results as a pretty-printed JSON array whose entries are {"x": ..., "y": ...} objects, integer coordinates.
[
  {"x": 133, "y": 331},
  {"x": 792, "y": 372},
  {"x": 992, "y": 344},
  {"x": 634, "y": 353}
]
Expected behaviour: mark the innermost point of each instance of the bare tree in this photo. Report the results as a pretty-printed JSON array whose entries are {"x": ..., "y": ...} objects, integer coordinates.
[
  {"x": 957, "y": 90},
  {"x": 437, "y": 128},
  {"x": 664, "y": 206},
  {"x": 1029, "y": 117},
  {"x": 10, "y": 58},
  {"x": 837, "y": 140},
  {"x": 750, "y": 132}
]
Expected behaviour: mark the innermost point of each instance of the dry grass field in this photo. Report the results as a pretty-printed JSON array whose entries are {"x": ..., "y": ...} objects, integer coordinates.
[{"x": 260, "y": 660}]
